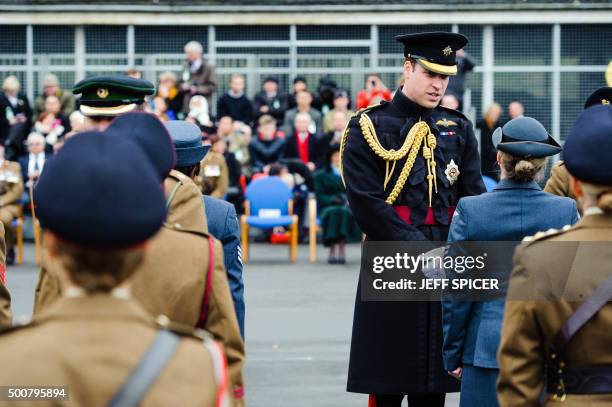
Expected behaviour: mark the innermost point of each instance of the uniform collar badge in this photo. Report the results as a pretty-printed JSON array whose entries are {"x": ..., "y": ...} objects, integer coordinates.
[
  {"x": 447, "y": 51},
  {"x": 452, "y": 172},
  {"x": 446, "y": 123}
]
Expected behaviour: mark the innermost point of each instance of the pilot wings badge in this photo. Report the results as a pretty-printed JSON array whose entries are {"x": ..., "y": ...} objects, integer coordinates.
[{"x": 446, "y": 123}]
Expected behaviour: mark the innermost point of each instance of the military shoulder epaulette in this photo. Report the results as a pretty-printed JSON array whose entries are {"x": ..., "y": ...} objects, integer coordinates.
[
  {"x": 177, "y": 175},
  {"x": 453, "y": 111},
  {"x": 164, "y": 322},
  {"x": 369, "y": 108},
  {"x": 180, "y": 228},
  {"x": 547, "y": 234}
]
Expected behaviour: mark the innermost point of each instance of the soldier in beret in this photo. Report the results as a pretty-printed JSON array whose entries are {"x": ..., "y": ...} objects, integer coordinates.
[
  {"x": 559, "y": 181},
  {"x": 10, "y": 180},
  {"x": 6, "y": 313},
  {"x": 197, "y": 293},
  {"x": 396, "y": 346},
  {"x": 11, "y": 189},
  {"x": 220, "y": 215},
  {"x": 557, "y": 332},
  {"x": 96, "y": 338}
]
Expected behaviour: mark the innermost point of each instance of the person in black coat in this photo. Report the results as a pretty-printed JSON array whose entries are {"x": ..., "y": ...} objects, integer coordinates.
[
  {"x": 303, "y": 145},
  {"x": 15, "y": 118},
  {"x": 269, "y": 101},
  {"x": 396, "y": 347},
  {"x": 488, "y": 152},
  {"x": 299, "y": 84},
  {"x": 234, "y": 193},
  {"x": 268, "y": 146},
  {"x": 324, "y": 101},
  {"x": 235, "y": 103}
]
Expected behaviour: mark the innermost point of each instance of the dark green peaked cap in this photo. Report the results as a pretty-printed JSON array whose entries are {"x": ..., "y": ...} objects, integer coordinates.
[{"x": 111, "y": 95}]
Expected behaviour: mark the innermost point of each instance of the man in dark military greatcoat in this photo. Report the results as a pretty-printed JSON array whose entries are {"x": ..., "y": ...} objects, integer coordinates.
[{"x": 396, "y": 346}]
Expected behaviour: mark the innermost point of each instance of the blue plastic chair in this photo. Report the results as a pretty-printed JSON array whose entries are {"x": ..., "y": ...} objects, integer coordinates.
[
  {"x": 269, "y": 204},
  {"x": 489, "y": 182}
]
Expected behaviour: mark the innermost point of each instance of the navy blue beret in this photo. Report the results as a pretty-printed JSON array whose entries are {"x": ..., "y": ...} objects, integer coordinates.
[
  {"x": 525, "y": 137},
  {"x": 151, "y": 134},
  {"x": 587, "y": 152},
  {"x": 100, "y": 191},
  {"x": 187, "y": 139},
  {"x": 602, "y": 96}
]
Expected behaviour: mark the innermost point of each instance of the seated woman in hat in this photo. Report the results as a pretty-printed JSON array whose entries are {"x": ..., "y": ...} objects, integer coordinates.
[
  {"x": 516, "y": 208},
  {"x": 337, "y": 220}
]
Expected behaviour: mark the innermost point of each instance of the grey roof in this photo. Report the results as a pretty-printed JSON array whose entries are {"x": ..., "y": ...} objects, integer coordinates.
[{"x": 306, "y": 5}]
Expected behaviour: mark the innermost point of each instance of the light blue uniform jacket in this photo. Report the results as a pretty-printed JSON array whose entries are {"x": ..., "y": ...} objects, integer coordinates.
[
  {"x": 508, "y": 213},
  {"x": 223, "y": 225}
]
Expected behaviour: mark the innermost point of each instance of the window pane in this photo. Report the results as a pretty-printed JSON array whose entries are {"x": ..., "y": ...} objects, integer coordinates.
[
  {"x": 529, "y": 88},
  {"x": 105, "y": 39},
  {"x": 158, "y": 40},
  {"x": 333, "y": 32},
  {"x": 586, "y": 44},
  {"x": 523, "y": 45},
  {"x": 575, "y": 88},
  {"x": 53, "y": 39}
]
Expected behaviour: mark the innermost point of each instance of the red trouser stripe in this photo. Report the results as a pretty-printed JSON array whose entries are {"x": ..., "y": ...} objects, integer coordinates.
[{"x": 372, "y": 400}]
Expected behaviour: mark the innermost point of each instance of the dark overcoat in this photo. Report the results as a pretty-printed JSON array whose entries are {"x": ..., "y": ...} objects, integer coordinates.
[{"x": 396, "y": 347}]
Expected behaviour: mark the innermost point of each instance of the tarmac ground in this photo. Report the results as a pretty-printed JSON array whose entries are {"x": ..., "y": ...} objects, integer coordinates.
[{"x": 298, "y": 325}]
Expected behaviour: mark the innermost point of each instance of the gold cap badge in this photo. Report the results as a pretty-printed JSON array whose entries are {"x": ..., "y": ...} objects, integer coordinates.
[
  {"x": 605, "y": 102},
  {"x": 447, "y": 51},
  {"x": 102, "y": 93}
]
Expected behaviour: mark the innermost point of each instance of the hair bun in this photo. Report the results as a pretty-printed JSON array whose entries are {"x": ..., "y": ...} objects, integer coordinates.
[{"x": 524, "y": 169}]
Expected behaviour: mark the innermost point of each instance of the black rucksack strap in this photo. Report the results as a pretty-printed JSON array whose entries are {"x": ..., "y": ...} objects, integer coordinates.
[{"x": 148, "y": 370}]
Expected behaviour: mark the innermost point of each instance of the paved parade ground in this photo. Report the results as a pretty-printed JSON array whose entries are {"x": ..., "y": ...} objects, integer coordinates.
[{"x": 298, "y": 326}]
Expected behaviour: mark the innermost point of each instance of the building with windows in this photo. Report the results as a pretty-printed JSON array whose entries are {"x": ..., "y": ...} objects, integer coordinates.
[{"x": 550, "y": 55}]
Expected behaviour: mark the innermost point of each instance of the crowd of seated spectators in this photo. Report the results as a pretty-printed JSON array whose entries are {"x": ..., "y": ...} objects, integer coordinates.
[{"x": 287, "y": 135}]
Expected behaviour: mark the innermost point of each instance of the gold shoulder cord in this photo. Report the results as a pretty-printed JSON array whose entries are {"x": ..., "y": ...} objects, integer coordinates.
[{"x": 419, "y": 132}]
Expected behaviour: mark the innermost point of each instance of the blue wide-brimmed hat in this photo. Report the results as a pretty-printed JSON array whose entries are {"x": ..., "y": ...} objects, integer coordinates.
[
  {"x": 150, "y": 134},
  {"x": 100, "y": 191},
  {"x": 525, "y": 137},
  {"x": 587, "y": 152},
  {"x": 187, "y": 139}
]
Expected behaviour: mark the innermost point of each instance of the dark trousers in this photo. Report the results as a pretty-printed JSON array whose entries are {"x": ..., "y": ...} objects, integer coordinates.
[{"x": 414, "y": 400}]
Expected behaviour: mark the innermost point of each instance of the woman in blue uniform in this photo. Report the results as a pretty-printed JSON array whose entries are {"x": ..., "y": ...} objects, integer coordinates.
[{"x": 519, "y": 208}]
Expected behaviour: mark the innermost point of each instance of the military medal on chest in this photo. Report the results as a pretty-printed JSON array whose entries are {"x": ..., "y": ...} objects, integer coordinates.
[{"x": 452, "y": 172}]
